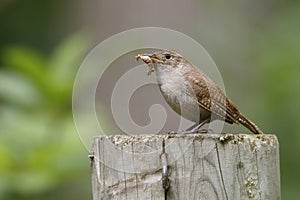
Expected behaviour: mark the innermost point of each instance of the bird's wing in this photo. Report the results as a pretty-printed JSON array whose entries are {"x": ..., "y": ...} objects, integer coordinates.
[{"x": 210, "y": 97}]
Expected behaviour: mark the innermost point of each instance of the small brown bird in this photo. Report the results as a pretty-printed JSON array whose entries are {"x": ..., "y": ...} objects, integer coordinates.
[{"x": 191, "y": 93}]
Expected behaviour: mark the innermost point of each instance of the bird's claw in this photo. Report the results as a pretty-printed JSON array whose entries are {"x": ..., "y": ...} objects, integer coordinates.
[{"x": 202, "y": 131}]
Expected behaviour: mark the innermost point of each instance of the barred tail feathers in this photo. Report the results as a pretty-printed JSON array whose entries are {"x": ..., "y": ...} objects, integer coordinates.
[{"x": 249, "y": 125}]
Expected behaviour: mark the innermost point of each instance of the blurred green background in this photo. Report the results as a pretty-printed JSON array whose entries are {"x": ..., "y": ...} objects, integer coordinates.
[{"x": 256, "y": 45}]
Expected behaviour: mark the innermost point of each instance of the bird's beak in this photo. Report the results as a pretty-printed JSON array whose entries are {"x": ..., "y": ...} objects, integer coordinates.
[
  {"x": 150, "y": 60},
  {"x": 153, "y": 58}
]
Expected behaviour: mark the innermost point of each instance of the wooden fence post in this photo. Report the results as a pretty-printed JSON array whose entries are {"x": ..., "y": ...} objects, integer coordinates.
[{"x": 196, "y": 166}]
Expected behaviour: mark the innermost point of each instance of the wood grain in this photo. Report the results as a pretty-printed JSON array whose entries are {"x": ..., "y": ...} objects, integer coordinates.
[{"x": 201, "y": 166}]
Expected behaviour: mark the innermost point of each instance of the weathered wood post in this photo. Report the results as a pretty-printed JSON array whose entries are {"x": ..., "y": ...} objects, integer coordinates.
[{"x": 199, "y": 166}]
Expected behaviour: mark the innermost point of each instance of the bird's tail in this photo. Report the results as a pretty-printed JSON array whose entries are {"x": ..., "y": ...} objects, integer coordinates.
[{"x": 249, "y": 125}]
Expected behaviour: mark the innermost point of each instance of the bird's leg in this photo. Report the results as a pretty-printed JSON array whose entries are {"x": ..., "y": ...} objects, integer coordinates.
[
  {"x": 193, "y": 129},
  {"x": 193, "y": 126},
  {"x": 196, "y": 127}
]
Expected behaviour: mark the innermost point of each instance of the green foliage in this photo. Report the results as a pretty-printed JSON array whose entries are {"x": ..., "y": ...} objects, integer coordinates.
[
  {"x": 39, "y": 148},
  {"x": 53, "y": 78}
]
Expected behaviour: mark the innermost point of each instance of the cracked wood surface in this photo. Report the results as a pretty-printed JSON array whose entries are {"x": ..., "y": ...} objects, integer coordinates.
[{"x": 201, "y": 166}]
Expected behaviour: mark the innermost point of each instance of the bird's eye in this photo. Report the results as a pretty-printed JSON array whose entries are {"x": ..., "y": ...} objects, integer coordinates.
[{"x": 167, "y": 56}]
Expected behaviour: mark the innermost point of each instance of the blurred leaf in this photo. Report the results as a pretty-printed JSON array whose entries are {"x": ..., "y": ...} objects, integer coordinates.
[
  {"x": 32, "y": 182},
  {"x": 5, "y": 159},
  {"x": 53, "y": 78},
  {"x": 67, "y": 56},
  {"x": 28, "y": 62},
  {"x": 18, "y": 90},
  {"x": 64, "y": 64},
  {"x": 39, "y": 147},
  {"x": 47, "y": 157}
]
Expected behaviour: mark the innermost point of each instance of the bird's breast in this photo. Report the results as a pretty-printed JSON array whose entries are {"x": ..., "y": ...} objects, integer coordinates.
[{"x": 178, "y": 93}]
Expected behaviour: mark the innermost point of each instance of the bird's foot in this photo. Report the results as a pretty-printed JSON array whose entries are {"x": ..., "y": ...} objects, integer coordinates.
[{"x": 202, "y": 131}]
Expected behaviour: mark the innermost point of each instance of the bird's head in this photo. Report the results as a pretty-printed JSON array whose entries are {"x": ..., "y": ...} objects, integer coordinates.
[{"x": 164, "y": 58}]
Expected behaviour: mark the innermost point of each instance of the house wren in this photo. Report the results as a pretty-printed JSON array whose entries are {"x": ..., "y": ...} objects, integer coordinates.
[{"x": 191, "y": 93}]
